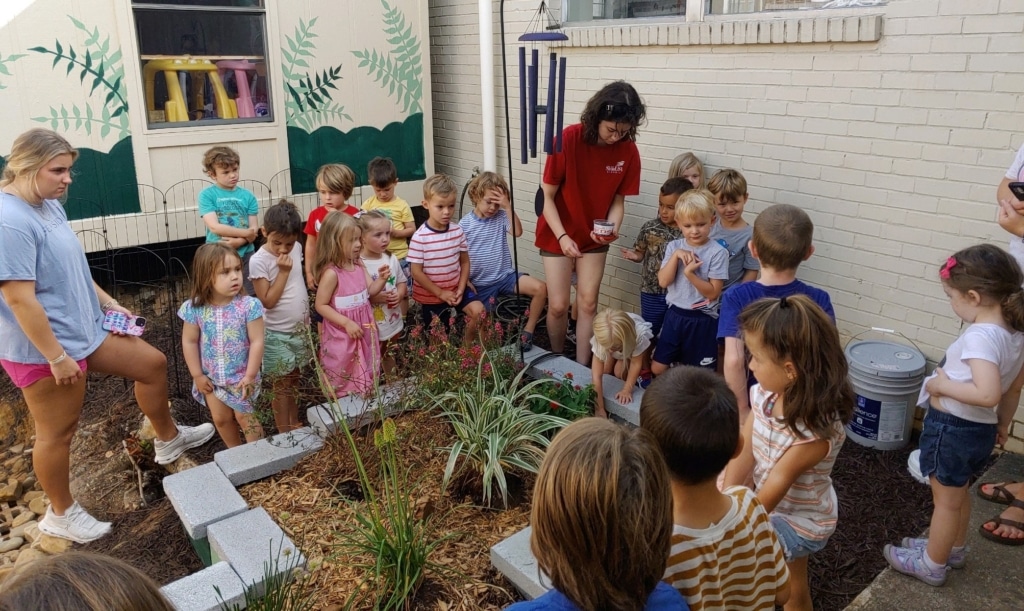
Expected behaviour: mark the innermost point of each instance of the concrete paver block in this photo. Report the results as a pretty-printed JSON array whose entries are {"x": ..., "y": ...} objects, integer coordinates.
[
  {"x": 557, "y": 367},
  {"x": 627, "y": 412},
  {"x": 201, "y": 496},
  {"x": 196, "y": 592},
  {"x": 252, "y": 461},
  {"x": 357, "y": 411},
  {"x": 513, "y": 559},
  {"x": 254, "y": 546}
]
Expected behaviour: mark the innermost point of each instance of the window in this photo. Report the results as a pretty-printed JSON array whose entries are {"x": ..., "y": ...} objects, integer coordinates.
[
  {"x": 592, "y": 10},
  {"x": 203, "y": 61}
]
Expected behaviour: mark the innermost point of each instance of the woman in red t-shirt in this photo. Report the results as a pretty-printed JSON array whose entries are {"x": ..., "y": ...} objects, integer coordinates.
[{"x": 599, "y": 165}]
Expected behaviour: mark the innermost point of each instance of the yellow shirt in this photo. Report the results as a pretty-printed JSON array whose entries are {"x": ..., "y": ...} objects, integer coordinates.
[{"x": 400, "y": 213}]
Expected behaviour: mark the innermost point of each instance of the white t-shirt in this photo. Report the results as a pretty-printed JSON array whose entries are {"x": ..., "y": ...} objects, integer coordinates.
[
  {"x": 292, "y": 308},
  {"x": 987, "y": 342},
  {"x": 389, "y": 320},
  {"x": 1016, "y": 171},
  {"x": 643, "y": 340}
]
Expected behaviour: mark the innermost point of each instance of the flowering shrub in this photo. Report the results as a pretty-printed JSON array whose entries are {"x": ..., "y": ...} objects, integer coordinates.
[
  {"x": 439, "y": 362},
  {"x": 564, "y": 398}
]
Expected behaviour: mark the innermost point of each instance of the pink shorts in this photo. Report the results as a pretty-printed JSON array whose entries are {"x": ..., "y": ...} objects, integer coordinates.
[{"x": 24, "y": 375}]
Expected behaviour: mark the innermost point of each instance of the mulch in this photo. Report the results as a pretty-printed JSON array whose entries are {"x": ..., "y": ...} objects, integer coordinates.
[{"x": 879, "y": 503}]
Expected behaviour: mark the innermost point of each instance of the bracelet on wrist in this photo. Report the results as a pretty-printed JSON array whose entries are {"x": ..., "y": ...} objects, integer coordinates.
[
  {"x": 560, "y": 237},
  {"x": 105, "y": 307},
  {"x": 63, "y": 355}
]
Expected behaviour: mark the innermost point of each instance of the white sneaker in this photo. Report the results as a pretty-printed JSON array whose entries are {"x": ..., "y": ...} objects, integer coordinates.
[
  {"x": 76, "y": 524},
  {"x": 188, "y": 437},
  {"x": 914, "y": 467}
]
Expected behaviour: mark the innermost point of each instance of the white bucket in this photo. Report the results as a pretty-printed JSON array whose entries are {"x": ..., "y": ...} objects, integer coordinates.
[{"x": 886, "y": 378}]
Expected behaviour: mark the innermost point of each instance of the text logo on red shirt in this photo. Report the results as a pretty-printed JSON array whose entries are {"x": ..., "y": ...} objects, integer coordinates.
[{"x": 618, "y": 168}]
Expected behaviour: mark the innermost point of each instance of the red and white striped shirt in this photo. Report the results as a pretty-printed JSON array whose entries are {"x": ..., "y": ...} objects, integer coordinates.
[{"x": 438, "y": 252}]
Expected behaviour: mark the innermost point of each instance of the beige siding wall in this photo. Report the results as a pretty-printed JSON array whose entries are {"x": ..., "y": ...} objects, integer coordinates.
[{"x": 894, "y": 146}]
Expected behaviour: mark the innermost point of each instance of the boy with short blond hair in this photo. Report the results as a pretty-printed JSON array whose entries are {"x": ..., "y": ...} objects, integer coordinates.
[
  {"x": 731, "y": 230},
  {"x": 439, "y": 258},
  {"x": 724, "y": 553},
  {"x": 492, "y": 275},
  {"x": 335, "y": 183},
  {"x": 229, "y": 211},
  {"x": 782, "y": 240},
  {"x": 383, "y": 176},
  {"x": 693, "y": 270}
]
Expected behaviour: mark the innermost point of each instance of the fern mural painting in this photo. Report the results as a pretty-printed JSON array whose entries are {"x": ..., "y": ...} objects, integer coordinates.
[
  {"x": 387, "y": 81},
  {"x": 104, "y": 181}
]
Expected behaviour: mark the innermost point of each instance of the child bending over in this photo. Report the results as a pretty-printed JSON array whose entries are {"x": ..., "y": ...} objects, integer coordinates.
[{"x": 621, "y": 344}]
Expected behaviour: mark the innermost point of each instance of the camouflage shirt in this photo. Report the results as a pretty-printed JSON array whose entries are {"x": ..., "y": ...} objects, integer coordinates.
[{"x": 654, "y": 236}]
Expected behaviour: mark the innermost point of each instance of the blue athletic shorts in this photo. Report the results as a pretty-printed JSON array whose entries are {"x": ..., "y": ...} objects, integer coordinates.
[
  {"x": 488, "y": 295},
  {"x": 688, "y": 337}
]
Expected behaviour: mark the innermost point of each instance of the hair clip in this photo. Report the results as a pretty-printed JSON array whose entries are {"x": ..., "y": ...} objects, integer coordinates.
[
  {"x": 950, "y": 264},
  {"x": 783, "y": 303}
]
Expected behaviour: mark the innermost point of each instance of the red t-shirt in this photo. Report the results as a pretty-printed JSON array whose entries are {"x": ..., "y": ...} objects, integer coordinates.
[
  {"x": 589, "y": 178},
  {"x": 317, "y": 216}
]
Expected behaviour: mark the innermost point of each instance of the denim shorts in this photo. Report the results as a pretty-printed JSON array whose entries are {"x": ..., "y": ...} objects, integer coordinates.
[
  {"x": 954, "y": 449},
  {"x": 488, "y": 295},
  {"x": 793, "y": 545}
]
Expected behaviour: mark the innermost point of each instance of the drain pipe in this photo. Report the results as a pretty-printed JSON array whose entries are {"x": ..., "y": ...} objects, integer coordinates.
[{"x": 485, "y": 8}]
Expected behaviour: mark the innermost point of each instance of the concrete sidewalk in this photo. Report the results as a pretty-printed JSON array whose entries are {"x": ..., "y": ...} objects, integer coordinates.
[{"x": 990, "y": 581}]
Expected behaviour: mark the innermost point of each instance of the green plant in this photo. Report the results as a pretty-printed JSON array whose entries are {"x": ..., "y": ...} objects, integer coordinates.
[
  {"x": 387, "y": 527},
  {"x": 105, "y": 69},
  {"x": 494, "y": 430},
  {"x": 309, "y": 102},
  {"x": 564, "y": 398},
  {"x": 280, "y": 591},
  {"x": 401, "y": 70},
  {"x": 10, "y": 59}
]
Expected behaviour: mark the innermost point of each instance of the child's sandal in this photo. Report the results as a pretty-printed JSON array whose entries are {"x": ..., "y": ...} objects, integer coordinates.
[{"x": 526, "y": 341}]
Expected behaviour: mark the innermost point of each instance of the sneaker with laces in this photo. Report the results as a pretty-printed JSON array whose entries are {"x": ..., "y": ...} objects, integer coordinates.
[
  {"x": 644, "y": 379},
  {"x": 76, "y": 525},
  {"x": 910, "y": 561},
  {"x": 188, "y": 437},
  {"x": 957, "y": 557}
]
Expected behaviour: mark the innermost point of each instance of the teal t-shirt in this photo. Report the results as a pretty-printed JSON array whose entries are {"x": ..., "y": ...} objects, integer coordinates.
[{"x": 233, "y": 209}]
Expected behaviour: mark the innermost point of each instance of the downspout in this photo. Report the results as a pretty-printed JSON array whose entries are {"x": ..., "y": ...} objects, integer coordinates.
[{"x": 485, "y": 8}]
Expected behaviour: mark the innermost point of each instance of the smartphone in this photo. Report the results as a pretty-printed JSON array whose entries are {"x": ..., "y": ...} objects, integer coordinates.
[
  {"x": 1018, "y": 189},
  {"x": 120, "y": 322}
]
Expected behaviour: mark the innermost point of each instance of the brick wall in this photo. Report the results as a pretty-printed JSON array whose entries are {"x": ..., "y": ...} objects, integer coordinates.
[{"x": 893, "y": 146}]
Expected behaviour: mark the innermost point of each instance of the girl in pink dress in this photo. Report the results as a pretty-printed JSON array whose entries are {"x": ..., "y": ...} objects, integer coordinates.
[{"x": 349, "y": 350}]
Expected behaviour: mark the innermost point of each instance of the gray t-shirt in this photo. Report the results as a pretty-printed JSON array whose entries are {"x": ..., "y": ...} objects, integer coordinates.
[
  {"x": 737, "y": 242},
  {"x": 38, "y": 244},
  {"x": 714, "y": 266}
]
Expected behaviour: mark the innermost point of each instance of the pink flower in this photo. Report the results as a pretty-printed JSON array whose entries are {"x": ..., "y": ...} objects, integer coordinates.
[{"x": 487, "y": 369}]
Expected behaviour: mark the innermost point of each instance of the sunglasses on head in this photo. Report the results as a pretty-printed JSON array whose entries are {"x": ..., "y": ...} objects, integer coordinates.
[{"x": 620, "y": 111}]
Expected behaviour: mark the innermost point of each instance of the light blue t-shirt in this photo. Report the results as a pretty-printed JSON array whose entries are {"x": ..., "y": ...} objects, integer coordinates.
[
  {"x": 714, "y": 266},
  {"x": 737, "y": 242},
  {"x": 489, "y": 257},
  {"x": 233, "y": 208},
  {"x": 39, "y": 245}
]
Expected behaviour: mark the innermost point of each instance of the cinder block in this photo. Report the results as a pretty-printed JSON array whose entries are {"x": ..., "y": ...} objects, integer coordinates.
[
  {"x": 252, "y": 461},
  {"x": 202, "y": 496},
  {"x": 557, "y": 367},
  {"x": 196, "y": 591},
  {"x": 627, "y": 412},
  {"x": 513, "y": 559},
  {"x": 357, "y": 411},
  {"x": 254, "y": 546}
]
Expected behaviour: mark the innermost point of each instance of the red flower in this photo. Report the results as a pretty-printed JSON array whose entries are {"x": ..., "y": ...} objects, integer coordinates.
[
  {"x": 578, "y": 387},
  {"x": 568, "y": 375},
  {"x": 554, "y": 406}
]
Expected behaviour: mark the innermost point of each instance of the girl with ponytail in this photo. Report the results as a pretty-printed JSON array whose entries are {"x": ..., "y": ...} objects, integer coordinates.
[{"x": 970, "y": 403}]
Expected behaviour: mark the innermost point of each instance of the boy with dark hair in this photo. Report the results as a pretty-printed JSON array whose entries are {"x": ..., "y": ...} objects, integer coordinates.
[
  {"x": 724, "y": 552},
  {"x": 782, "y": 240},
  {"x": 383, "y": 176},
  {"x": 229, "y": 211}
]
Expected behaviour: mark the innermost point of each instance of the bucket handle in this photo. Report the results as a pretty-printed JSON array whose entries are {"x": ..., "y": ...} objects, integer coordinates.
[{"x": 886, "y": 331}]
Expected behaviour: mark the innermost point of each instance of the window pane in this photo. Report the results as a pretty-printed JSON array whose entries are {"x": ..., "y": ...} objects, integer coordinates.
[
  {"x": 232, "y": 3},
  {"x": 586, "y": 10},
  {"x": 202, "y": 65},
  {"x": 731, "y": 7}
]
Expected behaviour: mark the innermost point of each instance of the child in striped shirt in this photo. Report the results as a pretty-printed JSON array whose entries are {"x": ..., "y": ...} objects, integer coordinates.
[
  {"x": 795, "y": 430},
  {"x": 439, "y": 259},
  {"x": 724, "y": 552},
  {"x": 491, "y": 273}
]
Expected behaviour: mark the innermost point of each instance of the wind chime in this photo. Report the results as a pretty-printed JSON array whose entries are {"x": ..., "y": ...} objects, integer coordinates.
[{"x": 542, "y": 28}]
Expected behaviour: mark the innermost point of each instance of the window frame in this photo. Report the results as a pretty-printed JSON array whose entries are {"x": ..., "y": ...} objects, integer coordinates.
[
  {"x": 190, "y": 126},
  {"x": 696, "y": 12}
]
